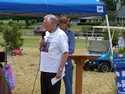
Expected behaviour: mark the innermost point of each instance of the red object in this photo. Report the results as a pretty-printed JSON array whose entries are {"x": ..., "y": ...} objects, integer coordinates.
[{"x": 17, "y": 52}]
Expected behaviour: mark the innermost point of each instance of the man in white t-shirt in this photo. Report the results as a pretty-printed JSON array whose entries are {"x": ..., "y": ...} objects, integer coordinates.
[
  {"x": 121, "y": 41},
  {"x": 54, "y": 54}
]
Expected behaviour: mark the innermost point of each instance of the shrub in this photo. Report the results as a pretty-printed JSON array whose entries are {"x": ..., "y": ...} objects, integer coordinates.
[
  {"x": 1, "y": 23},
  {"x": 14, "y": 40},
  {"x": 84, "y": 28},
  {"x": 89, "y": 23},
  {"x": 121, "y": 50},
  {"x": 115, "y": 37}
]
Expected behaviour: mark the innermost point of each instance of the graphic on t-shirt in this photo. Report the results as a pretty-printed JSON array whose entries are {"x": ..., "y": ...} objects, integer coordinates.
[{"x": 45, "y": 47}]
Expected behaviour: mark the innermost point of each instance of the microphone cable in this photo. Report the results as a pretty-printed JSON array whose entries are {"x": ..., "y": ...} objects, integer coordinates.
[
  {"x": 43, "y": 35},
  {"x": 36, "y": 74}
]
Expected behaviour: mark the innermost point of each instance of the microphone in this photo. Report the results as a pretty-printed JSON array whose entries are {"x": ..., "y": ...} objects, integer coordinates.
[{"x": 43, "y": 34}]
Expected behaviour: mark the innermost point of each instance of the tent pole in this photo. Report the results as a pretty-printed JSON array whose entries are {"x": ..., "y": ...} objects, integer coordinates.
[
  {"x": 110, "y": 39},
  {"x": 6, "y": 44}
]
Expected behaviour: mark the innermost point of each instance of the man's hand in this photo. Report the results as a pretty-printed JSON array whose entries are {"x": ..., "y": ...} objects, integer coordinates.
[
  {"x": 59, "y": 74},
  {"x": 41, "y": 42}
]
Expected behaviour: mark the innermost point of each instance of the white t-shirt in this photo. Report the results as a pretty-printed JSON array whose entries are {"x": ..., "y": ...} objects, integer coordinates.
[
  {"x": 121, "y": 42},
  {"x": 51, "y": 54}
]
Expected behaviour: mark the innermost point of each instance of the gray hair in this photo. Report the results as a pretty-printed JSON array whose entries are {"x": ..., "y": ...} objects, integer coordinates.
[{"x": 51, "y": 18}]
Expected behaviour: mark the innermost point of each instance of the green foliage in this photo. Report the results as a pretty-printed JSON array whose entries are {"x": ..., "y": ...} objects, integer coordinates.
[
  {"x": 86, "y": 28},
  {"x": 111, "y": 4},
  {"x": 33, "y": 21},
  {"x": 89, "y": 23},
  {"x": 121, "y": 50},
  {"x": 13, "y": 33},
  {"x": 112, "y": 15},
  {"x": 115, "y": 37},
  {"x": 0, "y": 29},
  {"x": 1, "y": 23},
  {"x": 111, "y": 24},
  {"x": 123, "y": 2}
]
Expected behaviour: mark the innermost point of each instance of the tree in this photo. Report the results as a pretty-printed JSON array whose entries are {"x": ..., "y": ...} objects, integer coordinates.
[
  {"x": 111, "y": 8},
  {"x": 111, "y": 4},
  {"x": 123, "y": 2},
  {"x": 13, "y": 34},
  {"x": 27, "y": 19}
]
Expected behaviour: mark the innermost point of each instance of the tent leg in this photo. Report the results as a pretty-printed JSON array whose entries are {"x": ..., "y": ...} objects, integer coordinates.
[
  {"x": 6, "y": 44},
  {"x": 110, "y": 39}
]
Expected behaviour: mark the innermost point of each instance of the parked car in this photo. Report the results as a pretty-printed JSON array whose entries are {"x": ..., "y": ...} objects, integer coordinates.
[{"x": 39, "y": 29}]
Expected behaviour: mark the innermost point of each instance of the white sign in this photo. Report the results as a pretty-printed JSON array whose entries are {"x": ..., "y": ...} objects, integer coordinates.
[
  {"x": 123, "y": 73},
  {"x": 100, "y": 9},
  {"x": 123, "y": 83}
]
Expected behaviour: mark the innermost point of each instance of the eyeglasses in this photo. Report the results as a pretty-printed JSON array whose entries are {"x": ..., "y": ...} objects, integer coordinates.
[{"x": 63, "y": 22}]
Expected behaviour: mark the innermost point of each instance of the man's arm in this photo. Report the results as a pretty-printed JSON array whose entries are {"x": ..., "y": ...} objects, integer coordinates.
[
  {"x": 63, "y": 45},
  {"x": 63, "y": 62}
]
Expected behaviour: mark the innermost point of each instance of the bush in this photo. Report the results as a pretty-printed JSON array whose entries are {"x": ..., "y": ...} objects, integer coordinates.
[
  {"x": 121, "y": 51},
  {"x": 84, "y": 28},
  {"x": 113, "y": 23},
  {"x": 33, "y": 21},
  {"x": 1, "y": 23},
  {"x": 14, "y": 39},
  {"x": 115, "y": 37},
  {"x": 89, "y": 23},
  {"x": 0, "y": 29},
  {"x": 110, "y": 24}
]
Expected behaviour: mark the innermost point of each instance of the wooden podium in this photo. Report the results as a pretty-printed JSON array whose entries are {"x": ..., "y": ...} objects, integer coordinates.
[{"x": 79, "y": 60}]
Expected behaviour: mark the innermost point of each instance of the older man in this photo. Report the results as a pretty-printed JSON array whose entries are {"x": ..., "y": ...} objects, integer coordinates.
[{"x": 54, "y": 53}]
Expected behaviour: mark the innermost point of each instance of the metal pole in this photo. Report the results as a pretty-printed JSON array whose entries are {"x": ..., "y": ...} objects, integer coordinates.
[
  {"x": 110, "y": 39},
  {"x": 6, "y": 43}
]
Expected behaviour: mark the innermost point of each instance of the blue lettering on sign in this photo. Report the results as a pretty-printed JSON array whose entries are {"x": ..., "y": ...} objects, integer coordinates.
[
  {"x": 99, "y": 8},
  {"x": 119, "y": 61}
]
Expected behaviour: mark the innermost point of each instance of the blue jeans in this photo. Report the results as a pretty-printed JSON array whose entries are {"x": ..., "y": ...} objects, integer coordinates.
[{"x": 68, "y": 77}]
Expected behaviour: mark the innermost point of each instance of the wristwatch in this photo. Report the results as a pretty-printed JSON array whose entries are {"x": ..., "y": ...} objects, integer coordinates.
[{"x": 60, "y": 69}]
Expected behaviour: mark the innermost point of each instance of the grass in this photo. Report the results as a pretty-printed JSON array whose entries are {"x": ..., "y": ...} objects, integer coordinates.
[
  {"x": 1, "y": 39},
  {"x": 31, "y": 41},
  {"x": 26, "y": 66},
  {"x": 27, "y": 31},
  {"x": 75, "y": 28}
]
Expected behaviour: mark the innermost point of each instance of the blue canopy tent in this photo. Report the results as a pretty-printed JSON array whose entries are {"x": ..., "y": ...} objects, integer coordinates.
[
  {"x": 52, "y": 6},
  {"x": 42, "y": 7}
]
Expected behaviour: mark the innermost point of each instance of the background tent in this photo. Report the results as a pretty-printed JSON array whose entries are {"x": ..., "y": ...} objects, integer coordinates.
[{"x": 42, "y": 7}]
